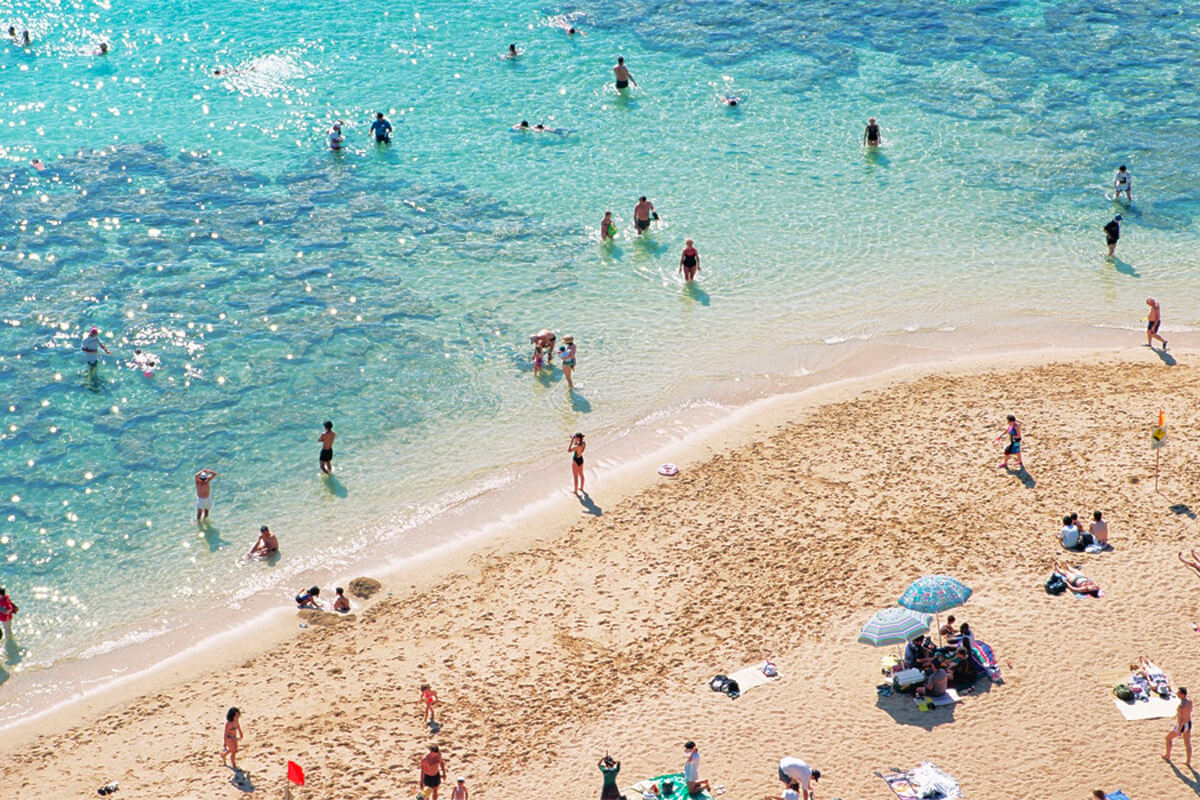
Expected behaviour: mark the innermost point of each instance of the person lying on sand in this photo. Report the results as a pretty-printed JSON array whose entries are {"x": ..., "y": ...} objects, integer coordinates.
[{"x": 1076, "y": 580}]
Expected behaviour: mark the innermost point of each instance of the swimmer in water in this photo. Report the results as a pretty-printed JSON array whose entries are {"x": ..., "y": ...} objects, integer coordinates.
[
  {"x": 335, "y": 136},
  {"x": 382, "y": 129},
  {"x": 689, "y": 261},
  {"x": 871, "y": 134},
  {"x": 512, "y": 51},
  {"x": 608, "y": 228},
  {"x": 38, "y": 164},
  {"x": 103, "y": 49},
  {"x": 622, "y": 74},
  {"x": 575, "y": 32},
  {"x": 25, "y": 38},
  {"x": 731, "y": 101},
  {"x": 12, "y": 32},
  {"x": 341, "y": 604},
  {"x": 524, "y": 126},
  {"x": 145, "y": 362},
  {"x": 266, "y": 546}
]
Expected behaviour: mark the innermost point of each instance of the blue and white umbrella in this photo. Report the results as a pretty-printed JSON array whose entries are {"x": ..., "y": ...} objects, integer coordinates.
[
  {"x": 934, "y": 594},
  {"x": 895, "y": 625}
]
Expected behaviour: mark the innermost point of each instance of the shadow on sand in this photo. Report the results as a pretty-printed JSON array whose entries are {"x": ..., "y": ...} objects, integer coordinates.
[{"x": 589, "y": 507}]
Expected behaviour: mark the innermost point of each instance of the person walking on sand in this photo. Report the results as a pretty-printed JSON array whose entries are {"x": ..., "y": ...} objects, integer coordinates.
[
  {"x": 325, "y": 458},
  {"x": 92, "y": 345},
  {"x": 576, "y": 448},
  {"x": 460, "y": 790},
  {"x": 608, "y": 228},
  {"x": 1153, "y": 321},
  {"x": 433, "y": 770},
  {"x": 1112, "y": 232},
  {"x": 8, "y": 610},
  {"x": 266, "y": 546},
  {"x": 567, "y": 353},
  {"x": 204, "y": 493},
  {"x": 643, "y": 212},
  {"x": 1123, "y": 182},
  {"x": 691, "y": 770},
  {"x": 430, "y": 699},
  {"x": 689, "y": 261},
  {"x": 1183, "y": 727},
  {"x": 871, "y": 135},
  {"x": 622, "y": 75},
  {"x": 1013, "y": 432},
  {"x": 233, "y": 732}
]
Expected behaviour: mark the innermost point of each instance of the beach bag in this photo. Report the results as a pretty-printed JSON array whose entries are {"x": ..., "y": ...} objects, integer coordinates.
[
  {"x": 732, "y": 689},
  {"x": 667, "y": 788},
  {"x": 1123, "y": 692},
  {"x": 1056, "y": 584},
  {"x": 719, "y": 683}
]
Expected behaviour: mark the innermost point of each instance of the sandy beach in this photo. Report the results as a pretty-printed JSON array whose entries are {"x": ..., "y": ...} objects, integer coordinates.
[{"x": 553, "y": 645}]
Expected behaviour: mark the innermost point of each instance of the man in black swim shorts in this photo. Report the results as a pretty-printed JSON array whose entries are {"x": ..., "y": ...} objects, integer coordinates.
[
  {"x": 622, "y": 74},
  {"x": 326, "y": 456},
  {"x": 642, "y": 213},
  {"x": 1112, "y": 232}
]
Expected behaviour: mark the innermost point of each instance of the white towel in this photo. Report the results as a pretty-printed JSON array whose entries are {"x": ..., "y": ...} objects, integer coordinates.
[{"x": 751, "y": 677}]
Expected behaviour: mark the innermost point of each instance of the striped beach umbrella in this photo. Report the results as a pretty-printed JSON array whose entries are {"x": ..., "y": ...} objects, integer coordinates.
[{"x": 895, "y": 625}]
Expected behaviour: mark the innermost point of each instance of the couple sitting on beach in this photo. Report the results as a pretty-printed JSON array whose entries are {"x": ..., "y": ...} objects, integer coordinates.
[{"x": 1093, "y": 540}]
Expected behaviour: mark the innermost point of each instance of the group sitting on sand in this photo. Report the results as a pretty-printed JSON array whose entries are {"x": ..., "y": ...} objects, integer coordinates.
[
  {"x": 1094, "y": 539},
  {"x": 945, "y": 666}
]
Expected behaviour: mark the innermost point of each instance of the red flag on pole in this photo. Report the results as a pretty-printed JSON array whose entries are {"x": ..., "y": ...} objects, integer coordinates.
[{"x": 295, "y": 774}]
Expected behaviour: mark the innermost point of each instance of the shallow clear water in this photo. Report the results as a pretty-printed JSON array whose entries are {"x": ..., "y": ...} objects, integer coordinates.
[{"x": 200, "y": 218}]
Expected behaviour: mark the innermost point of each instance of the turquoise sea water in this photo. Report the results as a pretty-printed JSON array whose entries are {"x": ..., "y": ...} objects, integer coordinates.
[{"x": 200, "y": 218}]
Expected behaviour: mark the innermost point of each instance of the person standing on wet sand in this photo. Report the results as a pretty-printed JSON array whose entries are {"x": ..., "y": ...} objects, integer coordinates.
[
  {"x": 1153, "y": 321},
  {"x": 1112, "y": 232},
  {"x": 871, "y": 135},
  {"x": 204, "y": 493},
  {"x": 689, "y": 261},
  {"x": 1013, "y": 432},
  {"x": 325, "y": 458},
  {"x": 622, "y": 74},
  {"x": 576, "y": 448},
  {"x": 1183, "y": 727},
  {"x": 643, "y": 212}
]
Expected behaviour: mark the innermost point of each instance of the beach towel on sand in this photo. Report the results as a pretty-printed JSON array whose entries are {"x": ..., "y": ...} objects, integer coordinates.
[
  {"x": 1154, "y": 707},
  {"x": 752, "y": 677},
  {"x": 678, "y": 789},
  {"x": 926, "y": 782}
]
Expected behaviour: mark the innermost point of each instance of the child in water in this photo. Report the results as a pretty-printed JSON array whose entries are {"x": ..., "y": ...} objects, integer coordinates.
[{"x": 538, "y": 359}]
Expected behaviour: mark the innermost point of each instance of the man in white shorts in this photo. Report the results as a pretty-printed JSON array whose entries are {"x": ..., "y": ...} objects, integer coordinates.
[
  {"x": 1123, "y": 182},
  {"x": 792, "y": 769},
  {"x": 204, "y": 493}
]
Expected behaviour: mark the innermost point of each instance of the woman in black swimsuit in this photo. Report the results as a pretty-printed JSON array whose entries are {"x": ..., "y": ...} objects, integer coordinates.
[
  {"x": 576, "y": 448},
  {"x": 689, "y": 262}
]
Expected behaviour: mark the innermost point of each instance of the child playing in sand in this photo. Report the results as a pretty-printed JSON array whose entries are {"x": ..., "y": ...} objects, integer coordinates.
[
  {"x": 341, "y": 604},
  {"x": 429, "y": 698},
  {"x": 233, "y": 732}
]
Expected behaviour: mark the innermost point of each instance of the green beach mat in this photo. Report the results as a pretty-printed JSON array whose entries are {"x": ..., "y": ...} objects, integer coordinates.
[{"x": 680, "y": 789}]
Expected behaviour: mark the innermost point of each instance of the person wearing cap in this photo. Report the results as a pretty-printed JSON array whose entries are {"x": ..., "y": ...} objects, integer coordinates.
[
  {"x": 460, "y": 790},
  {"x": 793, "y": 770},
  {"x": 335, "y": 137},
  {"x": 92, "y": 345},
  {"x": 567, "y": 352},
  {"x": 266, "y": 546},
  {"x": 1112, "y": 232},
  {"x": 1153, "y": 321}
]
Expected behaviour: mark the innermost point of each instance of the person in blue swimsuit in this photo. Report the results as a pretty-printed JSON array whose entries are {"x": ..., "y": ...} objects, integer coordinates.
[
  {"x": 567, "y": 353},
  {"x": 382, "y": 129},
  {"x": 1013, "y": 432}
]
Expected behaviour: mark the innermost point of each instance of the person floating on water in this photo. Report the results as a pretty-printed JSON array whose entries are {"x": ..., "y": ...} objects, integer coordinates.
[
  {"x": 512, "y": 51},
  {"x": 622, "y": 74},
  {"x": 643, "y": 213},
  {"x": 608, "y": 229},
  {"x": 1123, "y": 182},
  {"x": 204, "y": 494},
  {"x": 335, "y": 136},
  {"x": 871, "y": 134},
  {"x": 1112, "y": 233},
  {"x": 103, "y": 49},
  {"x": 730, "y": 101},
  {"x": 1153, "y": 322},
  {"x": 92, "y": 345},
  {"x": 689, "y": 261},
  {"x": 382, "y": 129},
  {"x": 325, "y": 457},
  {"x": 12, "y": 31},
  {"x": 25, "y": 38}
]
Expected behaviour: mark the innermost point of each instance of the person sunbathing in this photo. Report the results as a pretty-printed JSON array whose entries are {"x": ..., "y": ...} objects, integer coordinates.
[
  {"x": 1076, "y": 580},
  {"x": 1192, "y": 562},
  {"x": 1155, "y": 676}
]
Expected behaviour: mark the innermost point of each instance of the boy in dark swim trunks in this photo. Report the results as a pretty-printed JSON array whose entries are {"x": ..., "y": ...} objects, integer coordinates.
[
  {"x": 326, "y": 456},
  {"x": 622, "y": 74}
]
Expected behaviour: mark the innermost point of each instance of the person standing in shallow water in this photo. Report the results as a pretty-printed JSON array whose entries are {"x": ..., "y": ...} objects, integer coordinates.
[
  {"x": 621, "y": 72},
  {"x": 382, "y": 129},
  {"x": 325, "y": 458},
  {"x": 1112, "y": 233},
  {"x": 689, "y": 261},
  {"x": 871, "y": 135}
]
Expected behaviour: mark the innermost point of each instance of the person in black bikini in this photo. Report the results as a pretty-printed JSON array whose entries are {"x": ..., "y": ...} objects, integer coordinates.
[
  {"x": 871, "y": 136},
  {"x": 576, "y": 448},
  {"x": 326, "y": 456},
  {"x": 689, "y": 261}
]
